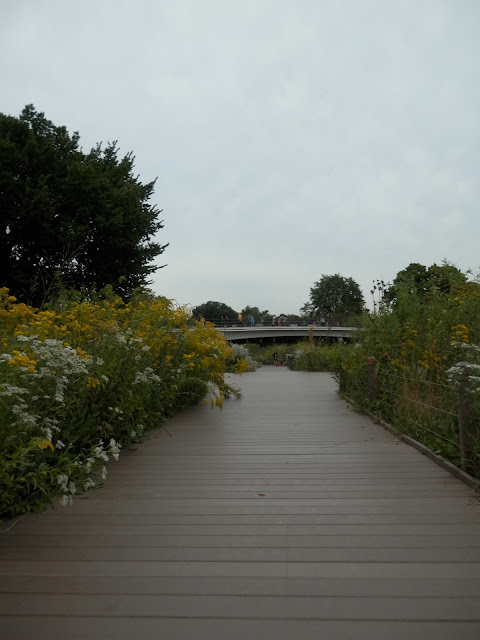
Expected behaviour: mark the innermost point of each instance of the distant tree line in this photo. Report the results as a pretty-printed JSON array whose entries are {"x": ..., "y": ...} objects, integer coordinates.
[{"x": 335, "y": 298}]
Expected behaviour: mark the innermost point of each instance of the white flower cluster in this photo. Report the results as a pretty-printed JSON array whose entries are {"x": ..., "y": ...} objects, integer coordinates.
[
  {"x": 48, "y": 429},
  {"x": 68, "y": 487},
  {"x": 115, "y": 449},
  {"x": 100, "y": 453},
  {"x": 467, "y": 346},
  {"x": 12, "y": 390},
  {"x": 146, "y": 376},
  {"x": 52, "y": 356},
  {"x": 89, "y": 464},
  {"x": 240, "y": 352},
  {"x": 22, "y": 338},
  {"x": 24, "y": 417},
  {"x": 456, "y": 375}
]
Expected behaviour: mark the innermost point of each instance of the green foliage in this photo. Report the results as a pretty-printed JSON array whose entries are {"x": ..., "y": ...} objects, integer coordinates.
[
  {"x": 280, "y": 349},
  {"x": 420, "y": 279},
  {"x": 320, "y": 356},
  {"x": 255, "y": 312},
  {"x": 336, "y": 298},
  {"x": 256, "y": 351},
  {"x": 417, "y": 344},
  {"x": 81, "y": 220},
  {"x": 213, "y": 311}
]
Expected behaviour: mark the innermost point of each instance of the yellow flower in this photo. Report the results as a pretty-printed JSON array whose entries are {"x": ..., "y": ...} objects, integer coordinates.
[
  {"x": 83, "y": 354},
  {"x": 92, "y": 383},
  {"x": 22, "y": 360},
  {"x": 45, "y": 444}
]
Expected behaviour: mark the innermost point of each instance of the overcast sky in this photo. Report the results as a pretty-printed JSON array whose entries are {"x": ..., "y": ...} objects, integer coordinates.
[{"x": 291, "y": 138}]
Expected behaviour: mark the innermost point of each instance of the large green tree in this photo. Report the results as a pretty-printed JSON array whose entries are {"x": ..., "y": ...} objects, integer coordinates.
[
  {"x": 421, "y": 279},
  {"x": 255, "y": 312},
  {"x": 82, "y": 219},
  {"x": 213, "y": 311},
  {"x": 335, "y": 298}
]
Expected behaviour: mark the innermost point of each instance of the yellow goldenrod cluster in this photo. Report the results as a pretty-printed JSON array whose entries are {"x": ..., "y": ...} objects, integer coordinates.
[
  {"x": 430, "y": 359},
  {"x": 460, "y": 334},
  {"x": 22, "y": 360},
  {"x": 399, "y": 365},
  {"x": 45, "y": 444},
  {"x": 93, "y": 383},
  {"x": 83, "y": 354}
]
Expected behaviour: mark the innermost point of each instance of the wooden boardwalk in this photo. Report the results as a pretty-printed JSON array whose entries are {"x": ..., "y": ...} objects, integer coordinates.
[{"x": 286, "y": 515}]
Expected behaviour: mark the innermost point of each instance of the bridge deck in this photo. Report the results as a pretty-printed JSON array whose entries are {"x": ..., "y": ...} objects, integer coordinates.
[
  {"x": 356, "y": 535},
  {"x": 243, "y": 332}
]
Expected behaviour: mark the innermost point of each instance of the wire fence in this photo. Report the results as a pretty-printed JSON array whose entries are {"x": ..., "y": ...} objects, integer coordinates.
[{"x": 443, "y": 415}]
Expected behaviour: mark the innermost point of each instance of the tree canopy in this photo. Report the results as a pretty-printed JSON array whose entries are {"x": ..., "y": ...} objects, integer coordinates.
[
  {"x": 420, "y": 279},
  {"x": 213, "y": 310},
  {"x": 255, "y": 312},
  {"x": 334, "y": 297},
  {"x": 82, "y": 219}
]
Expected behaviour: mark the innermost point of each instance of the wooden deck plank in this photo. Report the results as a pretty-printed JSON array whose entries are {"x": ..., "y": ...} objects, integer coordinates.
[
  {"x": 357, "y": 536},
  {"x": 231, "y": 553},
  {"x": 379, "y": 587},
  {"x": 79, "y": 628},
  {"x": 34, "y": 542},
  {"x": 258, "y": 607}
]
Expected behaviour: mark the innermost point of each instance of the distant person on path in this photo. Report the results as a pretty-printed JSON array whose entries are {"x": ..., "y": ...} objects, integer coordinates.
[
  {"x": 240, "y": 319},
  {"x": 275, "y": 358},
  {"x": 322, "y": 321},
  {"x": 273, "y": 320},
  {"x": 252, "y": 321}
]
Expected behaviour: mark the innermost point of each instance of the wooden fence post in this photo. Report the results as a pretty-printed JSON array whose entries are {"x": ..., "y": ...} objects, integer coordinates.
[
  {"x": 464, "y": 406},
  {"x": 372, "y": 379}
]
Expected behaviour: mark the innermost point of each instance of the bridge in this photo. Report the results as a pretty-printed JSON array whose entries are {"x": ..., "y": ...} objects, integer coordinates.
[
  {"x": 280, "y": 333},
  {"x": 285, "y": 515}
]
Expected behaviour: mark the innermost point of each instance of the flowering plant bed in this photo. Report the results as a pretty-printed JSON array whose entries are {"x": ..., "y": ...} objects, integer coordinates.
[{"x": 81, "y": 381}]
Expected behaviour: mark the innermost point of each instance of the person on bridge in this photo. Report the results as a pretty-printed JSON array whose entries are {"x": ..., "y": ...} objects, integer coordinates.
[{"x": 240, "y": 319}]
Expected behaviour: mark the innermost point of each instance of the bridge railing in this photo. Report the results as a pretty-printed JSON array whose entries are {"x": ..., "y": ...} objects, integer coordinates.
[{"x": 229, "y": 322}]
